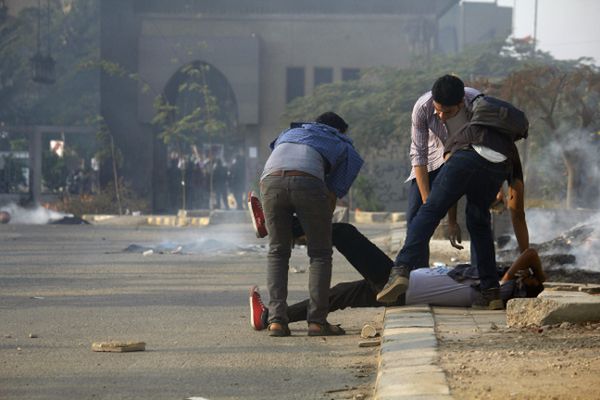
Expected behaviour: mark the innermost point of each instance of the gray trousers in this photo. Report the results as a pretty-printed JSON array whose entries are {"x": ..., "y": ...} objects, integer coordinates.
[{"x": 308, "y": 198}]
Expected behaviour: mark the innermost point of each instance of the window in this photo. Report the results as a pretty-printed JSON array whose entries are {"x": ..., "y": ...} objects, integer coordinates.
[
  {"x": 323, "y": 75},
  {"x": 294, "y": 83},
  {"x": 350, "y": 74}
]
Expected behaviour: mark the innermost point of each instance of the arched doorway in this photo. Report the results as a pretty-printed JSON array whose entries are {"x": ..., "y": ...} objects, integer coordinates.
[{"x": 198, "y": 119}]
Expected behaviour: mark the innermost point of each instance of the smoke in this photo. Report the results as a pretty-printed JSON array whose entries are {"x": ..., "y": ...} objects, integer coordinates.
[
  {"x": 548, "y": 175},
  {"x": 587, "y": 253},
  {"x": 547, "y": 225},
  {"x": 547, "y": 183},
  {"x": 32, "y": 216}
]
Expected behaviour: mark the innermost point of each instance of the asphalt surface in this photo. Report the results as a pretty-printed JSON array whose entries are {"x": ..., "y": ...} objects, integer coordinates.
[{"x": 74, "y": 285}]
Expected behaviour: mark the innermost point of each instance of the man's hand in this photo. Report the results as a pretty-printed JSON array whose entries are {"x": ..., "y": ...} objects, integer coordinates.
[
  {"x": 499, "y": 205},
  {"x": 454, "y": 228},
  {"x": 422, "y": 178},
  {"x": 454, "y": 234}
]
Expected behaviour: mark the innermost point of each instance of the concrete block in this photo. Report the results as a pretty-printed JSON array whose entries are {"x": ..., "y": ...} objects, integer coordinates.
[
  {"x": 553, "y": 308},
  {"x": 230, "y": 217},
  {"x": 421, "y": 321},
  {"x": 406, "y": 317},
  {"x": 408, "y": 370},
  {"x": 428, "y": 383},
  {"x": 408, "y": 358},
  {"x": 393, "y": 396},
  {"x": 365, "y": 217},
  {"x": 417, "y": 308},
  {"x": 398, "y": 339}
]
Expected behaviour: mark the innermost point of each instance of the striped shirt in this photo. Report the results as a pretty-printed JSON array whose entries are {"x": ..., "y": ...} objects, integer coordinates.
[{"x": 429, "y": 133}]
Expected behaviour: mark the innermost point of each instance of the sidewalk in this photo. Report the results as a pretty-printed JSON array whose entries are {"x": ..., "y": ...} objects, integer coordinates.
[
  {"x": 408, "y": 367},
  {"x": 409, "y": 363},
  {"x": 198, "y": 218}
]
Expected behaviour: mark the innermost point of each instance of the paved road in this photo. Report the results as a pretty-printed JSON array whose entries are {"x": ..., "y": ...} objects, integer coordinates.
[{"x": 73, "y": 285}]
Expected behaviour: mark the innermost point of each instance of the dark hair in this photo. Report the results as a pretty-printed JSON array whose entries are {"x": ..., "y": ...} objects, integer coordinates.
[
  {"x": 448, "y": 90},
  {"x": 332, "y": 119}
]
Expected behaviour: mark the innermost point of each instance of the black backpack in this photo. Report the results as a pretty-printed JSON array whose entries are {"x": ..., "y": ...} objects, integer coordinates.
[{"x": 499, "y": 115}]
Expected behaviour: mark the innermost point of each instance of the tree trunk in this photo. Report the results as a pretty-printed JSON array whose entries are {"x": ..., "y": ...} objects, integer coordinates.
[
  {"x": 115, "y": 174},
  {"x": 524, "y": 152},
  {"x": 570, "y": 162},
  {"x": 183, "y": 188}
]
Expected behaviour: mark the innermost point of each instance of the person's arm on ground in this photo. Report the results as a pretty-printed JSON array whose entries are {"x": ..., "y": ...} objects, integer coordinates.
[
  {"x": 516, "y": 205},
  {"x": 454, "y": 232},
  {"x": 528, "y": 259}
]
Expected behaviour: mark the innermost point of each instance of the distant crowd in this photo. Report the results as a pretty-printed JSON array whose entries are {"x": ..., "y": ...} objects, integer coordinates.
[{"x": 194, "y": 182}]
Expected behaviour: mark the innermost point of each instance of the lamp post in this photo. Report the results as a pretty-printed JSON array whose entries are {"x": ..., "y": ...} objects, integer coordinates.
[
  {"x": 3, "y": 11},
  {"x": 43, "y": 65}
]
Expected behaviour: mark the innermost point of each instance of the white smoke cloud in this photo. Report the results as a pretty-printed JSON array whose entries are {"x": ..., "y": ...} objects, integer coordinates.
[
  {"x": 32, "y": 216},
  {"x": 588, "y": 253},
  {"x": 548, "y": 166}
]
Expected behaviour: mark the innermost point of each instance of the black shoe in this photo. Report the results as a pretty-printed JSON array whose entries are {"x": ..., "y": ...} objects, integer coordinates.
[
  {"x": 278, "y": 329},
  {"x": 396, "y": 285},
  {"x": 488, "y": 299}
]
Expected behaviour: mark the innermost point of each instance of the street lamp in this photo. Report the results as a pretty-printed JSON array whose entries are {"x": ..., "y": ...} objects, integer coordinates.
[
  {"x": 43, "y": 65},
  {"x": 3, "y": 11}
]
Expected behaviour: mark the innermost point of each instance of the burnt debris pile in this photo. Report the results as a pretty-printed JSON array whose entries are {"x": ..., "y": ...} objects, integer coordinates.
[{"x": 560, "y": 256}]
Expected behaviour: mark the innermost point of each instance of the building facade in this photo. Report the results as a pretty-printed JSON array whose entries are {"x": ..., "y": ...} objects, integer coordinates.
[{"x": 259, "y": 55}]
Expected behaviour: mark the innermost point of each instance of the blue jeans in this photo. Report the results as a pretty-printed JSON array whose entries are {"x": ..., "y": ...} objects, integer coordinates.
[
  {"x": 414, "y": 203},
  {"x": 307, "y": 197},
  {"x": 465, "y": 173}
]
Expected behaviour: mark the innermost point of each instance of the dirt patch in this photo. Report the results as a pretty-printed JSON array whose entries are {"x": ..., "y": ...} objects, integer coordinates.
[
  {"x": 553, "y": 362},
  {"x": 536, "y": 363}
]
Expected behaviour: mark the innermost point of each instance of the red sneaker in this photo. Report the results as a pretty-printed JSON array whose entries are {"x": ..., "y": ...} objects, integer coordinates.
[
  {"x": 259, "y": 314},
  {"x": 257, "y": 214}
]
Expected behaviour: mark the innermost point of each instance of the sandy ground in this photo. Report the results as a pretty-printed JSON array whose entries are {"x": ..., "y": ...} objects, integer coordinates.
[
  {"x": 554, "y": 362},
  {"x": 496, "y": 362}
]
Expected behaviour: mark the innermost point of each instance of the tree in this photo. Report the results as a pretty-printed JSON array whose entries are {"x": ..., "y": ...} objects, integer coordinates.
[
  {"x": 563, "y": 103},
  {"x": 561, "y": 99},
  {"x": 379, "y": 105},
  {"x": 73, "y": 39},
  {"x": 108, "y": 152},
  {"x": 185, "y": 125}
]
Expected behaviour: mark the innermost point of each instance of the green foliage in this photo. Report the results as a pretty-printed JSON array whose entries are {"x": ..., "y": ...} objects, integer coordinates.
[
  {"x": 19, "y": 144},
  {"x": 54, "y": 171},
  {"x": 561, "y": 98},
  {"x": 194, "y": 120},
  {"x": 73, "y": 38},
  {"x": 12, "y": 179},
  {"x": 378, "y": 107},
  {"x": 105, "y": 202},
  {"x": 106, "y": 149},
  {"x": 364, "y": 196}
]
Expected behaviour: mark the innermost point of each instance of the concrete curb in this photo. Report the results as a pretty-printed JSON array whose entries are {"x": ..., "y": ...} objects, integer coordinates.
[
  {"x": 363, "y": 217},
  {"x": 408, "y": 356},
  {"x": 200, "y": 218}
]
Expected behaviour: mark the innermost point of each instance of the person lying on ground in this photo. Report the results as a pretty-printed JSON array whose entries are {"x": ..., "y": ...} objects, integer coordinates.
[{"x": 440, "y": 286}]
